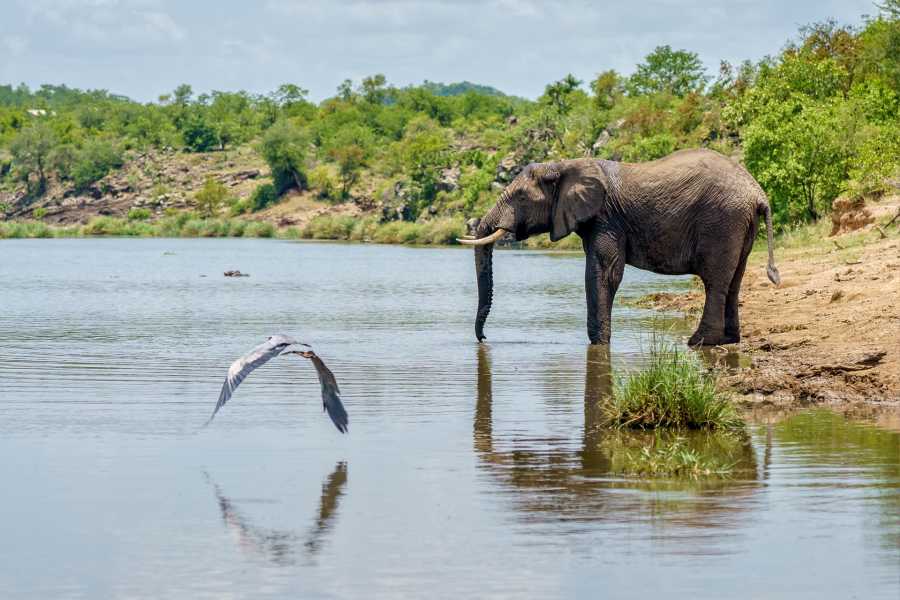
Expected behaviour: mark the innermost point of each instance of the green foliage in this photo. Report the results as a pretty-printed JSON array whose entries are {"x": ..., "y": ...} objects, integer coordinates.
[
  {"x": 562, "y": 95},
  {"x": 349, "y": 148},
  {"x": 650, "y": 147},
  {"x": 323, "y": 181},
  {"x": 210, "y": 198},
  {"x": 608, "y": 89},
  {"x": 39, "y": 213},
  {"x": 676, "y": 72},
  {"x": 264, "y": 195},
  {"x": 674, "y": 391},
  {"x": 424, "y": 152},
  {"x": 284, "y": 149},
  {"x": 139, "y": 214},
  {"x": 94, "y": 161},
  {"x": 198, "y": 133},
  {"x": 30, "y": 151}
]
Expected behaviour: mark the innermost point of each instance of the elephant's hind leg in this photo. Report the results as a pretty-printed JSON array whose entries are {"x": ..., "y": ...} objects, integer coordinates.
[
  {"x": 717, "y": 268},
  {"x": 732, "y": 317}
]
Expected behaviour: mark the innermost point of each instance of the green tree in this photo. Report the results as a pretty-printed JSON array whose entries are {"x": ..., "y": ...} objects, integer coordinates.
[
  {"x": 198, "y": 133},
  {"x": 665, "y": 70},
  {"x": 349, "y": 148},
  {"x": 374, "y": 90},
  {"x": 94, "y": 161},
  {"x": 425, "y": 150},
  {"x": 30, "y": 151},
  {"x": 559, "y": 93},
  {"x": 283, "y": 147},
  {"x": 345, "y": 90},
  {"x": 801, "y": 159},
  {"x": 210, "y": 198},
  {"x": 607, "y": 88}
]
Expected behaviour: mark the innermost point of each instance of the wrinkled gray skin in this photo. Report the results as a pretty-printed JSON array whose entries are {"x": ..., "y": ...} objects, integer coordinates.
[{"x": 693, "y": 211}]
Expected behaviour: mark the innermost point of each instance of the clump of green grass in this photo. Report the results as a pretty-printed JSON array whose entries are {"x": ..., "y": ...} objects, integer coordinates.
[
  {"x": 675, "y": 391},
  {"x": 139, "y": 214}
]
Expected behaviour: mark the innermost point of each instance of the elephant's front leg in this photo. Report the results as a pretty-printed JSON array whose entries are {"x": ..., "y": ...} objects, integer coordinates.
[{"x": 604, "y": 267}]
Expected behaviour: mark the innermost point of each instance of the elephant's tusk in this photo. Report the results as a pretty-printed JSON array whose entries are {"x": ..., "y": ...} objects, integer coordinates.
[{"x": 483, "y": 241}]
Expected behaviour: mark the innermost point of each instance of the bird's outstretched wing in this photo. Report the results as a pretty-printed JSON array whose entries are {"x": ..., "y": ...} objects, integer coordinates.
[
  {"x": 246, "y": 364},
  {"x": 331, "y": 394}
]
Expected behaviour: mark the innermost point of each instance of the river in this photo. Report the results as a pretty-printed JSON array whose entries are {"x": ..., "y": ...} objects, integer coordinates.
[{"x": 469, "y": 470}]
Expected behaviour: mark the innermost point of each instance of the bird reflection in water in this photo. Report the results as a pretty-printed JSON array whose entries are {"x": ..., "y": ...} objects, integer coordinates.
[
  {"x": 280, "y": 546},
  {"x": 559, "y": 479}
]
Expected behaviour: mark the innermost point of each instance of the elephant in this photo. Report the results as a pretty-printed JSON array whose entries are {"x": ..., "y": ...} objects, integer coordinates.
[{"x": 691, "y": 212}]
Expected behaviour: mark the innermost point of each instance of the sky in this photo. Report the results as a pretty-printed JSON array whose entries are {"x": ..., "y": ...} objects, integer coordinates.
[{"x": 144, "y": 48}]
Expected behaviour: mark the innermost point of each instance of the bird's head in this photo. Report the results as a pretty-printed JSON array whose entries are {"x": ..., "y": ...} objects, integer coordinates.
[{"x": 303, "y": 353}]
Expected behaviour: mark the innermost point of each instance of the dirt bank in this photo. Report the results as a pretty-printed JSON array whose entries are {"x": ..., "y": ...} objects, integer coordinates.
[{"x": 829, "y": 334}]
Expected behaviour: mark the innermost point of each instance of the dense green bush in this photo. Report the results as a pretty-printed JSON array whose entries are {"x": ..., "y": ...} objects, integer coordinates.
[
  {"x": 94, "y": 161},
  {"x": 264, "y": 195},
  {"x": 324, "y": 183}
]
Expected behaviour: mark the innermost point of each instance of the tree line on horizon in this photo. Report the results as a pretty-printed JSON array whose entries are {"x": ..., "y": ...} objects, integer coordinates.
[{"x": 820, "y": 119}]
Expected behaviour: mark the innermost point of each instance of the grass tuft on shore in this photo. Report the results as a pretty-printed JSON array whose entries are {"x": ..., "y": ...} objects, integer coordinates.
[{"x": 675, "y": 391}]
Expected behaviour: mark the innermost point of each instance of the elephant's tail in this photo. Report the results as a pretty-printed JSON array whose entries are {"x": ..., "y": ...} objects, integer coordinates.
[{"x": 771, "y": 269}]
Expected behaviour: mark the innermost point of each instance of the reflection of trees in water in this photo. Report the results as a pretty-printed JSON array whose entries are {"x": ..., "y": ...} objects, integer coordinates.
[
  {"x": 279, "y": 546},
  {"x": 551, "y": 477},
  {"x": 849, "y": 455}
]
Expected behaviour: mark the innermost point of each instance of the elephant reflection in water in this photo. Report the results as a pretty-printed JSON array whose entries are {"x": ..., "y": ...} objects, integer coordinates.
[
  {"x": 279, "y": 546},
  {"x": 552, "y": 478}
]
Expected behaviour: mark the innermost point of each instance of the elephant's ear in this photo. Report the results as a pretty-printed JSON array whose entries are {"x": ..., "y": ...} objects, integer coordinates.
[{"x": 580, "y": 197}]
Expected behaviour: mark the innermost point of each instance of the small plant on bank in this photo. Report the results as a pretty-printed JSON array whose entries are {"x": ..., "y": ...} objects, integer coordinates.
[
  {"x": 675, "y": 391},
  {"x": 138, "y": 214},
  {"x": 39, "y": 213}
]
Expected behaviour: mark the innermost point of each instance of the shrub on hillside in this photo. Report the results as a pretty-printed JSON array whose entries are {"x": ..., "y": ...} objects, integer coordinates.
[
  {"x": 264, "y": 195},
  {"x": 210, "y": 198}
]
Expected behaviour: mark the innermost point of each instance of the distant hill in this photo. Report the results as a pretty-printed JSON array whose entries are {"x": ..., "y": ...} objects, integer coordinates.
[{"x": 459, "y": 88}]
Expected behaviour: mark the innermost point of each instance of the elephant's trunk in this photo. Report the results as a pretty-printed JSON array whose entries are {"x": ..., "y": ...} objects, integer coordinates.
[
  {"x": 500, "y": 214},
  {"x": 484, "y": 271}
]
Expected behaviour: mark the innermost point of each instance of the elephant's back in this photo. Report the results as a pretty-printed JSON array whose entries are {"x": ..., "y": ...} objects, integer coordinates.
[{"x": 687, "y": 177}]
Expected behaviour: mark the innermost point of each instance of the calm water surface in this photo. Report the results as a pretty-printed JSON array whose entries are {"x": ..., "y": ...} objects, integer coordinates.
[{"x": 469, "y": 471}]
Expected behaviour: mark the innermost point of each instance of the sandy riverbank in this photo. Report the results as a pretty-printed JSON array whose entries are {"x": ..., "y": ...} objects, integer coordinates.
[{"x": 829, "y": 334}]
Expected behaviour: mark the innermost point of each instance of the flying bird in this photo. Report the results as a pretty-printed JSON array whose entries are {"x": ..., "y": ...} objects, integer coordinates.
[{"x": 277, "y": 345}]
